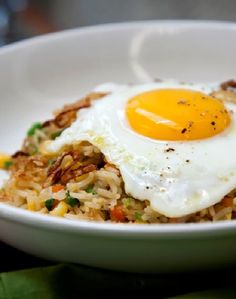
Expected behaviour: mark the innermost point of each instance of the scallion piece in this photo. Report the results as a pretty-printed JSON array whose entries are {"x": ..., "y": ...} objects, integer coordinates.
[
  {"x": 138, "y": 216},
  {"x": 127, "y": 201},
  {"x": 33, "y": 149},
  {"x": 8, "y": 164},
  {"x": 49, "y": 203},
  {"x": 72, "y": 201},
  {"x": 90, "y": 189},
  {"x": 56, "y": 134},
  {"x": 33, "y": 128},
  {"x": 51, "y": 162}
]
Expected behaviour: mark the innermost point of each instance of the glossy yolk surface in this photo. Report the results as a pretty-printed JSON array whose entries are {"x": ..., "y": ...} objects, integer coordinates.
[{"x": 176, "y": 114}]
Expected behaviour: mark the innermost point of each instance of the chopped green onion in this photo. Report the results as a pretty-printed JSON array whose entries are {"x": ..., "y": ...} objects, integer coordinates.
[
  {"x": 39, "y": 139},
  {"x": 138, "y": 216},
  {"x": 90, "y": 189},
  {"x": 8, "y": 164},
  {"x": 49, "y": 203},
  {"x": 127, "y": 201},
  {"x": 72, "y": 201},
  {"x": 33, "y": 128},
  {"x": 34, "y": 149},
  {"x": 56, "y": 134},
  {"x": 51, "y": 162}
]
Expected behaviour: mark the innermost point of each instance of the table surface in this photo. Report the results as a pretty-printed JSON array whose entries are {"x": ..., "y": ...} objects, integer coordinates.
[{"x": 13, "y": 259}]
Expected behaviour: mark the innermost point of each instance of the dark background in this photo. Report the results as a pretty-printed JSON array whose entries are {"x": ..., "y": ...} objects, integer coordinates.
[{"x": 21, "y": 19}]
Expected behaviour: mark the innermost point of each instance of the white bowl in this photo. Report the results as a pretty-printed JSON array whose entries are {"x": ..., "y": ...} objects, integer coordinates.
[{"x": 43, "y": 73}]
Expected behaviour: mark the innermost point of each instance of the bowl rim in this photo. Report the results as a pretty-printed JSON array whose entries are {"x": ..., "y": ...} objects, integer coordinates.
[
  {"x": 21, "y": 216},
  {"x": 181, "y": 24},
  {"x": 48, "y": 222}
]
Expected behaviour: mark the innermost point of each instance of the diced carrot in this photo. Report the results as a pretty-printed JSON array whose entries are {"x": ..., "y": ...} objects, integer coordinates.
[
  {"x": 117, "y": 214},
  {"x": 57, "y": 188},
  {"x": 227, "y": 201}
]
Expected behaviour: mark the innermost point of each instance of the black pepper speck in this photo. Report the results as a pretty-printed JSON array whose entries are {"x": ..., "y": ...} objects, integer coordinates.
[{"x": 170, "y": 149}]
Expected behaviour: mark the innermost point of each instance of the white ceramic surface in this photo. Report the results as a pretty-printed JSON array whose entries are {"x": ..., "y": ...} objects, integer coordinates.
[{"x": 43, "y": 73}]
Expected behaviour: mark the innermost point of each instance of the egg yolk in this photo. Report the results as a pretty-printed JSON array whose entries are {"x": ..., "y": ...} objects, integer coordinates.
[{"x": 176, "y": 114}]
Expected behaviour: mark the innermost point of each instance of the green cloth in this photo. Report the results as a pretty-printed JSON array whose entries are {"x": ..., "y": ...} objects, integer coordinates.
[{"x": 71, "y": 281}]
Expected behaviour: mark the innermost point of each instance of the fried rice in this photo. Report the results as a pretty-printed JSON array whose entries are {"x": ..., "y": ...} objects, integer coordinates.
[{"x": 78, "y": 183}]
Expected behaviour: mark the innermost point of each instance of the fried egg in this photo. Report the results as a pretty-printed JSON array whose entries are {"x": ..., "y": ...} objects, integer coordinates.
[{"x": 173, "y": 142}]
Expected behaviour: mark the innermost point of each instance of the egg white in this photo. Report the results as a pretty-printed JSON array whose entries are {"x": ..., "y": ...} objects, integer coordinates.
[{"x": 196, "y": 175}]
